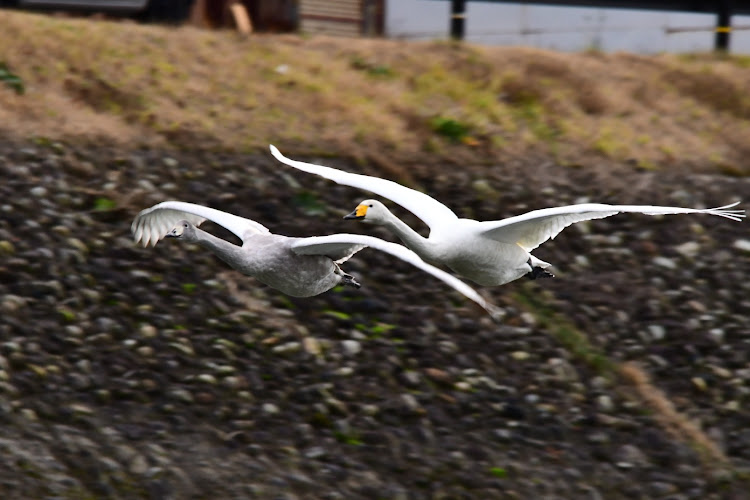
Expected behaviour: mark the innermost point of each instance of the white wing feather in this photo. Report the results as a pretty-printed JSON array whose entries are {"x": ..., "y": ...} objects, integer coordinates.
[
  {"x": 339, "y": 251},
  {"x": 319, "y": 245},
  {"x": 534, "y": 228},
  {"x": 153, "y": 224},
  {"x": 431, "y": 211}
]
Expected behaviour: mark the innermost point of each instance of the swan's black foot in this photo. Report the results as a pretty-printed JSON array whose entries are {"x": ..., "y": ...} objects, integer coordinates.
[
  {"x": 348, "y": 280},
  {"x": 538, "y": 272}
]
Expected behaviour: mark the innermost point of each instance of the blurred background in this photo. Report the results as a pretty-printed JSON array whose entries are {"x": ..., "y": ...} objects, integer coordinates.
[
  {"x": 161, "y": 373},
  {"x": 633, "y": 25}
]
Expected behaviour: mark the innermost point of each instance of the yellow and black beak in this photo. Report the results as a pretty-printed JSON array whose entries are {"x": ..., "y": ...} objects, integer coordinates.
[{"x": 359, "y": 213}]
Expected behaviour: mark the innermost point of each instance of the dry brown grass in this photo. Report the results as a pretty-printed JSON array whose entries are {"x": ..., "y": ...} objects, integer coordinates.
[
  {"x": 371, "y": 99},
  {"x": 674, "y": 422}
]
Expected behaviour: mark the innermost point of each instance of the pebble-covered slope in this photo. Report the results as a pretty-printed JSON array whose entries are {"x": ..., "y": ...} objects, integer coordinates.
[{"x": 159, "y": 373}]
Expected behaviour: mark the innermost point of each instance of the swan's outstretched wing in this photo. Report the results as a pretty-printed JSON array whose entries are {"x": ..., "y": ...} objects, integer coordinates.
[
  {"x": 431, "y": 211},
  {"x": 154, "y": 223},
  {"x": 322, "y": 245},
  {"x": 534, "y": 228}
]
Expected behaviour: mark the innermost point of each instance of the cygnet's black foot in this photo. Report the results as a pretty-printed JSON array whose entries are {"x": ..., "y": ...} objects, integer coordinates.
[
  {"x": 348, "y": 280},
  {"x": 538, "y": 272}
]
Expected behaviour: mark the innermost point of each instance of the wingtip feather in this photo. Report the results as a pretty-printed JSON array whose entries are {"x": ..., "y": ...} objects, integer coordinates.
[
  {"x": 724, "y": 211},
  {"x": 137, "y": 233},
  {"x": 727, "y": 206}
]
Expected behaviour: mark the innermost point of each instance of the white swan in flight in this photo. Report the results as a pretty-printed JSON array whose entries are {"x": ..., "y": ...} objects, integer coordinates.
[
  {"x": 489, "y": 252},
  {"x": 301, "y": 267}
]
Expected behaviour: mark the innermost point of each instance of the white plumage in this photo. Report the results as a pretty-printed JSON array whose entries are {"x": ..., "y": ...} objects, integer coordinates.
[{"x": 489, "y": 252}]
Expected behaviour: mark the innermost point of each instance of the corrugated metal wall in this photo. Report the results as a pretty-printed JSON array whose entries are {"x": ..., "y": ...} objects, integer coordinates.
[{"x": 333, "y": 17}]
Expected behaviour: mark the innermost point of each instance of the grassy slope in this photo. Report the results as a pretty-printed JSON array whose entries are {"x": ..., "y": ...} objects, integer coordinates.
[{"x": 373, "y": 99}]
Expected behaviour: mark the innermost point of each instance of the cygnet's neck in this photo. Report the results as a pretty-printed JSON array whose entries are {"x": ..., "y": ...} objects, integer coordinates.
[{"x": 226, "y": 251}]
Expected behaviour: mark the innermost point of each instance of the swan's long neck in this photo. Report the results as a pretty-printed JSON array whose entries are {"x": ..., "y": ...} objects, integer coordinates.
[
  {"x": 412, "y": 239},
  {"x": 226, "y": 251}
]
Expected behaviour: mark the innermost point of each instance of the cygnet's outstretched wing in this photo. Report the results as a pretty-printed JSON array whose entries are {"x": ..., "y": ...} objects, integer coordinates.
[
  {"x": 154, "y": 223},
  {"x": 431, "y": 211},
  {"x": 534, "y": 228},
  {"x": 322, "y": 245}
]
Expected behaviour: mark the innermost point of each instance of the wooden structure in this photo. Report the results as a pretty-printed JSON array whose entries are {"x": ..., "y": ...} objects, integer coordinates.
[
  {"x": 341, "y": 17},
  {"x": 332, "y": 17},
  {"x": 246, "y": 15}
]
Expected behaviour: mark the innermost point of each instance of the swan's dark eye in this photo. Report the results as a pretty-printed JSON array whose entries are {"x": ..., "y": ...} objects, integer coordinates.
[{"x": 370, "y": 205}]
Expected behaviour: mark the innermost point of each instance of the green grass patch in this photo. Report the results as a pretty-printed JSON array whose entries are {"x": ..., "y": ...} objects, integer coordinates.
[
  {"x": 338, "y": 315},
  {"x": 565, "y": 332},
  {"x": 371, "y": 69},
  {"x": 10, "y": 79},
  {"x": 499, "y": 472},
  {"x": 533, "y": 115},
  {"x": 67, "y": 314},
  {"x": 104, "y": 204},
  {"x": 450, "y": 128},
  {"x": 374, "y": 330},
  {"x": 350, "y": 439}
]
